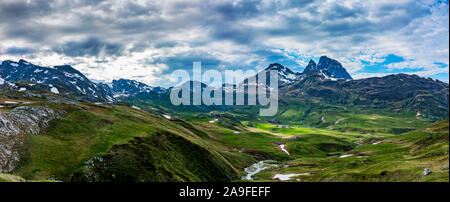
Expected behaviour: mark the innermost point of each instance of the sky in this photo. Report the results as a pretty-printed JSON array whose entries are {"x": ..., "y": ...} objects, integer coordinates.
[{"x": 148, "y": 40}]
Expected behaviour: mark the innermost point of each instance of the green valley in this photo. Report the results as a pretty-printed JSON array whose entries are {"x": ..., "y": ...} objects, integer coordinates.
[{"x": 119, "y": 143}]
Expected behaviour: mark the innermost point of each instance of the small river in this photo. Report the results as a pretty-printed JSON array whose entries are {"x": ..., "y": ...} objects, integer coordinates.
[{"x": 258, "y": 167}]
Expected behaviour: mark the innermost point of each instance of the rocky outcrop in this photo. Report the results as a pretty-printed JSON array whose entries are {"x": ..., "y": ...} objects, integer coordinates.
[
  {"x": 15, "y": 125},
  {"x": 426, "y": 172}
]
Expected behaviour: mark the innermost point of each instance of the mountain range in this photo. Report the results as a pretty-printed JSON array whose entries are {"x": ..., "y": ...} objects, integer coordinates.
[
  {"x": 56, "y": 124},
  {"x": 326, "y": 82},
  {"x": 69, "y": 80}
]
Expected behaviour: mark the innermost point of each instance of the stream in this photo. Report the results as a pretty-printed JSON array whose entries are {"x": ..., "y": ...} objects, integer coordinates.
[
  {"x": 258, "y": 167},
  {"x": 283, "y": 148},
  {"x": 267, "y": 164},
  {"x": 262, "y": 165}
]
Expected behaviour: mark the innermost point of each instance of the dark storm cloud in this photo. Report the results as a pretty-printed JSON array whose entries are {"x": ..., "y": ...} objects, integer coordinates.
[
  {"x": 31, "y": 33},
  {"x": 15, "y": 15},
  {"x": 19, "y": 51},
  {"x": 222, "y": 21},
  {"x": 133, "y": 9},
  {"x": 185, "y": 60},
  {"x": 90, "y": 47},
  {"x": 17, "y": 10},
  {"x": 234, "y": 11},
  {"x": 209, "y": 61},
  {"x": 237, "y": 34},
  {"x": 166, "y": 44}
]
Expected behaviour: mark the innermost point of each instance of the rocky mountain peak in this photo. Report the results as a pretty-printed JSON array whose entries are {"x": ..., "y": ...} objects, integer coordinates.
[
  {"x": 275, "y": 66},
  {"x": 285, "y": 74},
  {"x": 279, "y": 67},
  {"x": 70, "y": 69},
  {"x": 311, "y": 66},
  {"x": 127, "y": 87},
  {"x": 332, "y": 67},
  {"x": 24, "y": 62}
]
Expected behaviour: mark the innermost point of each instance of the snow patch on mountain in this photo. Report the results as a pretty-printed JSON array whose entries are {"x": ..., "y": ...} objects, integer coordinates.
[
  {"x": 126, "y": 88},
  {"x": 54, "y": 90}
]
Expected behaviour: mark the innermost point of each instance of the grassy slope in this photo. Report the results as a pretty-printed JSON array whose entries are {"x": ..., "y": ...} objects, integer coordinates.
[
  {"x": 345, "y": 118},
  {"x": 83, "y": 133},
  {"x": 69, "y": 142},
  {"x": 10, "y": 178},
  {"x": 397, "y": 158},
  {"x": 313, "y": 150},
  {"x": 160, "y": 157}
]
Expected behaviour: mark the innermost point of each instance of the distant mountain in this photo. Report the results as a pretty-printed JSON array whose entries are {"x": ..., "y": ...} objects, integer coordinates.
[
  {"x": 327, "y": 68},
  {"x": 329, "y": 83},
  {"x": 67, "y": 79},
  {"x": 285, "y": 74},
  {"x": 326, "y": 82},
  {"x": 58, "y": 77},
  {"x": 397, "y": 92},
  {"x": 126, "y": 87}
]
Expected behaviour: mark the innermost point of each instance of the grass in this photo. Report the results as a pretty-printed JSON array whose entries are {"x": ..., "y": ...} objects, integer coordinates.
[
  {"x": 347, "y": 118},
  {"x": 141, "y": 146},
  {"x": 398, "y": 158},
  {"x": 72, "y": 140},
  {"x": 4, "y": 177},
  {"x": 261, "y": 145},
  {"x": 160, "y": 157},
  {"x": 297, "y": 130},
  {"x": 318, "y": 145}
]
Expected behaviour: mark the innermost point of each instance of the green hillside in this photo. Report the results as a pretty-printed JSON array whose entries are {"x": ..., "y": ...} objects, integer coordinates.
[
  {"x": 391, "y": 158},
  {"x": 119, "y": 132},
  {"x": 108, "y": 143}
]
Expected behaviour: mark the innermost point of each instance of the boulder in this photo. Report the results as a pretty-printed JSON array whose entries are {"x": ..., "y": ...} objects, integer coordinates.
[{"x": 426, "y": 172}]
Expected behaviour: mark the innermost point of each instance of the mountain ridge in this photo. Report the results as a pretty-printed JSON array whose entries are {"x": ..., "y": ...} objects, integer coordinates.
[
  {"x": 323, "y": 81},
  {"x": 67, "y": 77}
]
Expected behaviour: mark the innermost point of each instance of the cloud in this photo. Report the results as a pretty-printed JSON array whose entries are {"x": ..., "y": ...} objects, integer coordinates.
[
  {"x": 155, "y": 37},
  {"x": 90, "y": 47},
  {"x": 19, "y": 51},
  {"x": 21, "y": 10}
]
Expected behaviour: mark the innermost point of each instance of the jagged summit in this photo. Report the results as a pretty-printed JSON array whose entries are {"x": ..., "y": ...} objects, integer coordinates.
[
  {"x": 126, "y": 87},
  {"x": 285, "y": 74},
  {"x": 311, "y": 66},
  {"x": 22, "y": 61},
  {"x": 328, "y": 66}
]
